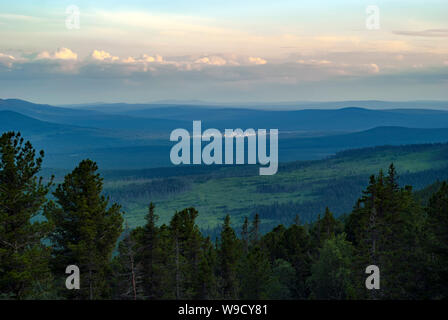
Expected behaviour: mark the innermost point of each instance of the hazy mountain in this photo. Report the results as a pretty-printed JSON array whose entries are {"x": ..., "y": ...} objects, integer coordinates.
[
  {"x": 164, "y": 118},
  {"x": 62, "y": 138},
  {"x": 345, "y": 119},
  {"x": 88, "y": 118},
  {"x": 138, "y": 138},
  {"x": 291, "y": 149}
]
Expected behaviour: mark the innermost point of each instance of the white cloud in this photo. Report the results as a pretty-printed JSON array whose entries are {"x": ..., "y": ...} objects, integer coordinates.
[
  {"x": 257, "y": 60},
  {"x": 60, "y": 54},
  {"x": 102, "y": 55},
  {"x": 144, "y": 58},
  {"x": 129, "y": 60},
  {"x": 212, "y": 60},
  {"x": 373, "y": 68},
  {"x": 314, "y": 62},
  {"x": 6, "y": 56},
  {"x": 156, "y": 58},
  {"x": 7, "y": 59}
]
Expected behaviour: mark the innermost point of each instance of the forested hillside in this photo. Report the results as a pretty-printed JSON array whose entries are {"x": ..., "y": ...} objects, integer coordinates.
[
  {"x": 302, "y": 187},
  {"x": 403, "y": 233}
]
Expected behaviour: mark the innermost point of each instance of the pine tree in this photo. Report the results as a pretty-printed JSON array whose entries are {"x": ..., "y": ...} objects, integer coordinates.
[
  {"x": 86, "y": 229},
  {"x": 207, "y": 283},
  {"x": 386, "y": 229},
  {"x": 324, "y": 228},
  {"x": 283, "y": 278},
  {"x": 331, "y": 272},
  {"x": 229, "y": 254},
  {"x": 245, "y": 235},
  {"x": 151, "y": 253},
  {"x": 23, "y": 257},
  {"x": 254, "y": 233},
  {"x": 296, "y": 248},
  {"x": 437, "y": 242},
  {"x": 187, "y": 241},
  {"x": 256, "y": 274},
  {"x": 127, "y": 270}
]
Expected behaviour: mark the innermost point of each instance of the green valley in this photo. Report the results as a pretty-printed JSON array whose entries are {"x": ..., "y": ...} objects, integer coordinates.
[{"x": 301, "y": 188}]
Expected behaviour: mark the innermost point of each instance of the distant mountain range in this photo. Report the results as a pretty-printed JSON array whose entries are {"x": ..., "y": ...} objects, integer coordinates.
[
  {"x": 281, "y": 105},
  {"x": 136, "y": 136},
  {"x": 88, "y": 118}
]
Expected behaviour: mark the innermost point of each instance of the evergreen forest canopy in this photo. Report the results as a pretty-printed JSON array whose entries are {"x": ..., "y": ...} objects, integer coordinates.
[{"x": 46, "y": 227}]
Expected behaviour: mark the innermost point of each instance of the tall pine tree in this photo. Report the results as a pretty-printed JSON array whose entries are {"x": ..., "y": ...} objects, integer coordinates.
[
  {"x": 23, "y": 257},
  {"x": 86, "y": 229},
  {"x": 229, "y": 255}
]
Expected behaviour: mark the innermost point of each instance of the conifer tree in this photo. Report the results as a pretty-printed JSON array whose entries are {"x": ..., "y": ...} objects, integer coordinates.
[
  {"x": 255, "y": 274},
  {"x": 86, "y": 229},
  {"x": 324, "y": 228},
  {"x": 127, "y": 269},
  {"x": 229, "y": 255},
  {"x": 245, "y": 235},
  {"x": 386, "y": 229},
  {"x": 437, "y": 242},
  {"x": 23, "y": 257},
  {"x": 207, "y": 284},
  {"x": 296, "y": 248},
  {"x": 151, "y": 252},
  {"x": 282, "y": 281},
  {"x": 331, "y": 272},
  {"x": 187, "y": 241},
  {"x": 254, "y": 233}
]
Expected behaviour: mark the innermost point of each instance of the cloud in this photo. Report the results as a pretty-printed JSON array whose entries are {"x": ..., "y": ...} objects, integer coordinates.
[
  {"x": 60, "y": 54},
  {"x": 213, "y": 60},
  {"x": 144, "y": 58},
  {"x": 129, "y": 60},
  {"x": 156, "y": 58},
  {"x": 373, "y": 68},
  {"x": 314, "y": 62},
  {"x": 438, "y": 33},
  {"x": 343, "y": 66},
  {"x": 7, "y": 59},
  {"x": 257, "y": 60},
  {"x": 102, "y": 55}
]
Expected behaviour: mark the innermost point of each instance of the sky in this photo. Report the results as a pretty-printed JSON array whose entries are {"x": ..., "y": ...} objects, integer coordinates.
[{"x": 65, "y": 52}]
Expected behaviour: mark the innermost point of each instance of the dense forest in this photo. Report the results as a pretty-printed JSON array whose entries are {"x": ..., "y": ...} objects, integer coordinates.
[{"x": 44, "y": 228}]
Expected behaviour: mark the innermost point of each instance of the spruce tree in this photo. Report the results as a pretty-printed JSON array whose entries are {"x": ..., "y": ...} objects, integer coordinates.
[
  {"x": 324, "y": 228},
  {"x": 245, "y": 235},
  {"x": 255, "y": 269},
  {"x": 255, "y": 274},
  {"x": 386, "y": 227},
  {"x": 331, "y": 274},
  {"x": 23, "y": 257},
  {"x": 437, "y": 242},
  {"x": 187, "y": 241},
  {"x": 229, "y": 254},
  {"x": 206, "y": 280},
  {"x": 127, "y": 281},
  {"x": 254, "y": 233},
  {"x": 86, "y": 229},
  {"x": 296, "y": 248},
  {"x": 151, "y": 252}
]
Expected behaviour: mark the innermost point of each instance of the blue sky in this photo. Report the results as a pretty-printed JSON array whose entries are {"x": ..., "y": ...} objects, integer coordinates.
[{"x": 224, "y": 51}]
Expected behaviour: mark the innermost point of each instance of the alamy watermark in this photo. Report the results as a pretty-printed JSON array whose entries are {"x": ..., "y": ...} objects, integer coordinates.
[
  {"x": 373, "y": 17},
  {"x": 72, "y": 281},
  {"x": 212, "y": 153},
  {"x": 373, "y": 280},
  {"x": 72, "y": 21}
]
